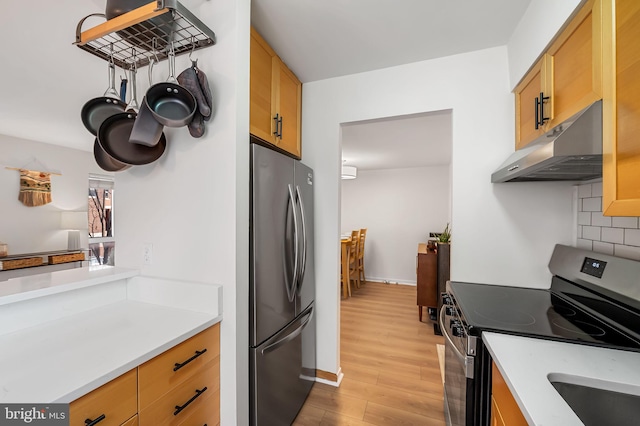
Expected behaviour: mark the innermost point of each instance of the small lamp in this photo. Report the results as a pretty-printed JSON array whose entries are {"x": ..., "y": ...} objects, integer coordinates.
[{"x": 74, "y": 222}]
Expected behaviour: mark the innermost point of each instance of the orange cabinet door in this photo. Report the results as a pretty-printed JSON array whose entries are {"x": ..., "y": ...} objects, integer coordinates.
[
  {"x": 574, "y": 65},
  {"x": 621, "y": 109}
]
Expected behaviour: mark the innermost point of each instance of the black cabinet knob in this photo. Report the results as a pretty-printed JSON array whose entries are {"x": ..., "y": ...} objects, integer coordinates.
[
  {"x": 457, "y": 330},
  {"x": 446, "y": 299}
]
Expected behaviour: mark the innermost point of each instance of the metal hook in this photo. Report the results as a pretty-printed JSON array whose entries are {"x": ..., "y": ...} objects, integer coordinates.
[
  {"x": 111, "y": 61},
  {"x": 134, "y": 66},
  {"x": 154, "y": 47},
  {"x": 194, "y": 63}
]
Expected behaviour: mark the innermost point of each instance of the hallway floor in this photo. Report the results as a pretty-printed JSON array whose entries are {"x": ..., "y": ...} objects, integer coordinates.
[{"x": 390, "y": 364}]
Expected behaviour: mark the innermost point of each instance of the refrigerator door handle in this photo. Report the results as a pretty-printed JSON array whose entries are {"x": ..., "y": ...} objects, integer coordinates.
[
  {"x": 303, "y": 261},
  {"x": 289, "y": 337},
  {"x": 291, "y": 289}
]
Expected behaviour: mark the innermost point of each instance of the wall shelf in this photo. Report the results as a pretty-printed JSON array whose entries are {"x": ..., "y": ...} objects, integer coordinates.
[{"x": 134, "y": 36}]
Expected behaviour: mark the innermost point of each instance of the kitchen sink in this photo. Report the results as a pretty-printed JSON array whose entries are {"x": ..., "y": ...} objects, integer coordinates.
[{"x": 598, "y": 402}]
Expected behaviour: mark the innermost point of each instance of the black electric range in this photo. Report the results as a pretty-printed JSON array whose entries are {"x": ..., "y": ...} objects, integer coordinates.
[
  {"x": 593, "y": 299},
  {"x": 550, "y": 314}
]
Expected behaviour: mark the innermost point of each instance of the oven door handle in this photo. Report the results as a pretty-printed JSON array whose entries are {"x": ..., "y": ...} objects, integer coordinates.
[{"x": 467, "y": 361}]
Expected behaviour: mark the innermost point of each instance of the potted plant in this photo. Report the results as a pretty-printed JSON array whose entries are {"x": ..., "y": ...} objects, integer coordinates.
[{"x": 445, "y": 236}]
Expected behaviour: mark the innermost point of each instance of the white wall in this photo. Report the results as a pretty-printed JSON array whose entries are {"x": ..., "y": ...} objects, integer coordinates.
[
  {"x": 538, "y": 26},
  {"x": 502, "y": 234},
  {"x": 399, "y": 207},
  {"x": 33, "y": 229},
  {"x": 192, "y": 204}
]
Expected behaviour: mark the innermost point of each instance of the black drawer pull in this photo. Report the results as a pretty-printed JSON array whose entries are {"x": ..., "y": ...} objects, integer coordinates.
[
  {"x": 179, "y": 366},
  {"x": 90, "y": 422},
  {"x": 179, "y": 408}
]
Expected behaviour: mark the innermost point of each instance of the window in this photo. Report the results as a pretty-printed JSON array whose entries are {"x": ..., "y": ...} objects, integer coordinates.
[{"x": 101, "y": 228}]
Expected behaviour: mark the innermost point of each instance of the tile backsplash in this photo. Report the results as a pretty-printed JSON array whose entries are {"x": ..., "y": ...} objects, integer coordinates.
[{"x": 617, "y": 236}]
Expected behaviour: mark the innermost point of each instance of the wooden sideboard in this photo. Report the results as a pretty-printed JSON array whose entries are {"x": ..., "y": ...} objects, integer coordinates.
[
  {"x": 427, "y": 271},
  {"x": 19, "y": 265},
  {"x": 433, "y": 272}
]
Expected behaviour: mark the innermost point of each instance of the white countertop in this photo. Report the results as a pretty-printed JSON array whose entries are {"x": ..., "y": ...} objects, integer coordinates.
[
  {"x": 32, "y": 286},
  {"x": 527, "y": 362},
  {"x": 76, "y": 348}
]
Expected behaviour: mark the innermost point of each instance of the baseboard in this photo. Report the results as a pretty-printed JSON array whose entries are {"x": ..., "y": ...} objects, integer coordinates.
[
  {"x": 327, "y": 378},
  {"x": 391, "y": 281}
]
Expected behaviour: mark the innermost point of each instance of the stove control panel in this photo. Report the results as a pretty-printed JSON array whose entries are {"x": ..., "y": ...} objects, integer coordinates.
[{"x": 593, "y": 267}]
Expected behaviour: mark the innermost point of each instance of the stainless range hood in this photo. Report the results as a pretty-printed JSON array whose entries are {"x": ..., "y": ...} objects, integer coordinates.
[{"x": 571, "y": 151}]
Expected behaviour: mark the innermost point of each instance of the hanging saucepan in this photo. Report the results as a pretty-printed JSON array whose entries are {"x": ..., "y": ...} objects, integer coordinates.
[
  {"x": 146, "y": 130},
  {"x": 95, "y": 111},
  {"x": 105, "y": 161},
  {"x": 170, "y": 103},
  {"x": 113, "y": 138}
]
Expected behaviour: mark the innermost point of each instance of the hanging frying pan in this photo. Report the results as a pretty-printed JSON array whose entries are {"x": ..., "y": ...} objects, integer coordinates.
[
  {"x": 95, "y": 111},
  {"x": 105, "y": 161},
  {"x": 113, "y": 138}
]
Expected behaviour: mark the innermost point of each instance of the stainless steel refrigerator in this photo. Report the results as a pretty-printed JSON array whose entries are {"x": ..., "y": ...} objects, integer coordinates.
[{"x": 282, "y": 337}]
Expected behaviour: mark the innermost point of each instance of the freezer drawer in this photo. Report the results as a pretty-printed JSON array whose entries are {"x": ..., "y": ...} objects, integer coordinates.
[{"x": 283, "y": 372}]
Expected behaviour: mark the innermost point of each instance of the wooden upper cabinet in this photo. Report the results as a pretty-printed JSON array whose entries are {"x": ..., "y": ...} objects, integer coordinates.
[
  {"x": 527, "y": 108},
  {"x": 289, "y": 105},
  {"x": 574, "y": 65},
  {"x": 567, "y": 78},
  {"x": 262, "y": 95},
  {"x": 621, "y": 108},
  {"x": 275, "y": 99}
]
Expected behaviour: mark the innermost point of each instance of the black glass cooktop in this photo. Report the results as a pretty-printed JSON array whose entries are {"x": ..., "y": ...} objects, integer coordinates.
[{"x": 536, "y": 313}]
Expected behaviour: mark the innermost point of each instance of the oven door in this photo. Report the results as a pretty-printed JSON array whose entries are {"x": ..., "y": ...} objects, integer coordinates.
[{"x": 458, "y": 379}]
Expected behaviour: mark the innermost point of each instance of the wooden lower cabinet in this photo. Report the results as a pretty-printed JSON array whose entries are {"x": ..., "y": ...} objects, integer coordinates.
[
  {"x": 179, "y": 386},
  {"x": 115, "y": 402},
  {"x": 504, "y": 408},
  {"x": 165, "y": 372},
  {"x": 133, "y": 421},
  {"x": 182, "y": 400}
]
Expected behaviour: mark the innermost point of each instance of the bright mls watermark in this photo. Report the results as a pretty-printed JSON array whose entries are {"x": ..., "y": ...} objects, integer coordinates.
[{"x": 34, "y": 414}]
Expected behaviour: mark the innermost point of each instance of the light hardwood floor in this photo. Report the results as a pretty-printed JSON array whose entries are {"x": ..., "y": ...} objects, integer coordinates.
[{"x": 390, "y": 364}]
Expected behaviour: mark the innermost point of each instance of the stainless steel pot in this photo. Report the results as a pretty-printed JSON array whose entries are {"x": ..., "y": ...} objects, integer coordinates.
[{"x": 171, "y": 104}]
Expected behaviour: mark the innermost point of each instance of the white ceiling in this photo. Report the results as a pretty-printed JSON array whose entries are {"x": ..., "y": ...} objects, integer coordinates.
[
  {"x": 416, "y": 140},
  {"x": 46, "y": 80},
  {"x": 331, "y": 38}
]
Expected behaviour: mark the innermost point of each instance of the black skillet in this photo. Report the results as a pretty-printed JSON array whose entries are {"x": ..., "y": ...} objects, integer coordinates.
[
  {"x": 99, "y": 109},
  {"x": 105, "y": 161},
  {"x": 95, "y": 111},
  {"x": 113, "y": 138}
]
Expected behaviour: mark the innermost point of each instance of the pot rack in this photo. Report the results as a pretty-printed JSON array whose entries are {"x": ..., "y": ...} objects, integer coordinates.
[{"x": 144, "y": 33}]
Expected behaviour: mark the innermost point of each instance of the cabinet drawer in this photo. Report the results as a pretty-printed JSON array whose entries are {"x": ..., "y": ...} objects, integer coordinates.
[
  {"x": 157, "y": 376},
  {"x": 133, "y": 421},
  {"x": 207, "y": 414},
  {"x": 189, "y": 395},
  {"x": 116, "y": 400}
]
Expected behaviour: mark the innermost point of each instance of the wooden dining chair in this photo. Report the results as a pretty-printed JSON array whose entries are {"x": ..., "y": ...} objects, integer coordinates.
[
  {"x": 360, "y": 256},
  {"x": 345, "y": 255},
  {"x": 354, "y": 273}
]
